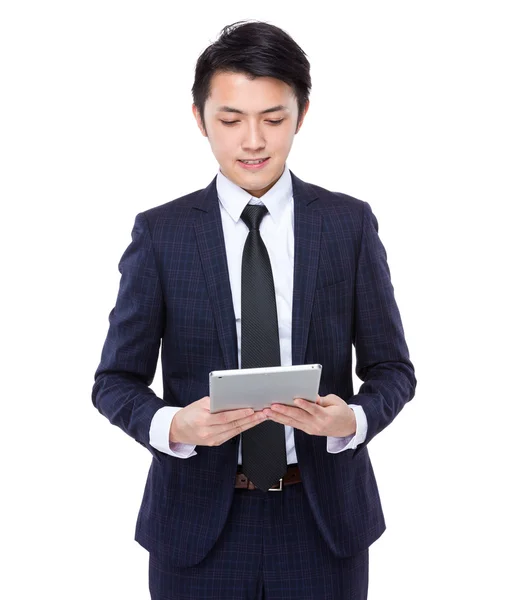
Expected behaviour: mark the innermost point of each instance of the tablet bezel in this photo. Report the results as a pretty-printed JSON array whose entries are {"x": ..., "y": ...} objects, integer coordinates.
[{"x": 258, "y": 388}]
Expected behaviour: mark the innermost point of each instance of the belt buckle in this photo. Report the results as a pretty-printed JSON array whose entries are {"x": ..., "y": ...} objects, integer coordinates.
[{"x": 276, "y": 489}]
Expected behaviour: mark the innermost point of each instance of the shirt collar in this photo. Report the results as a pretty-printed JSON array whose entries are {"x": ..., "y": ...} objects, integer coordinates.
[{"x": 234, "y": 199}]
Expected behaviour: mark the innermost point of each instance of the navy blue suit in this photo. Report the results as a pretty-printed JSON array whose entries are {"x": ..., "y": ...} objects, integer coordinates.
[{"x": 175, "y": 288}]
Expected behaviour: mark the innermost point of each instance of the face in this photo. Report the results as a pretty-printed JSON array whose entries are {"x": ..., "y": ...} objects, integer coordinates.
[{"x": 247, "y": 120}]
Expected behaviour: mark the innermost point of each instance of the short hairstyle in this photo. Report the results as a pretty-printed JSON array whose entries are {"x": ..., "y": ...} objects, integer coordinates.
[{"x": 257, "y": 49}]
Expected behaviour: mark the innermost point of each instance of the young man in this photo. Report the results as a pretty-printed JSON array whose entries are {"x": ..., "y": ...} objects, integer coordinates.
[{"x": 257, "y": 269}]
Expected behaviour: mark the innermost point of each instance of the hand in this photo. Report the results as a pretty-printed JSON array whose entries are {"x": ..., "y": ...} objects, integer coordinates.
[
  {"x": 330, "y": 416},
  {"x": 194, "y": 424}
]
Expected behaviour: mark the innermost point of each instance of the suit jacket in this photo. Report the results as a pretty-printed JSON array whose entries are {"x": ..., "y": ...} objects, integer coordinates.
[{"x": 175, "y": 288}]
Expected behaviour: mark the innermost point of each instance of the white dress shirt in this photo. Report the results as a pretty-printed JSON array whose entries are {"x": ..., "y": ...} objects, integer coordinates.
[{"x": 277, "y": 233}]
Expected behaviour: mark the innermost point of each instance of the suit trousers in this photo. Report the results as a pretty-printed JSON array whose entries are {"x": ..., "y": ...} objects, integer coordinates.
[{"x": 269, "y": 549}]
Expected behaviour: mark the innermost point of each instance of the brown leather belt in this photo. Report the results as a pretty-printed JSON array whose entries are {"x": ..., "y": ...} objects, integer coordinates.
[{"x": 293, "y": 475}]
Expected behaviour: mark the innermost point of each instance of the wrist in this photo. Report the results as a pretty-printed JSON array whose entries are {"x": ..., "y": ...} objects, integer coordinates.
[
  {"x": 354, "y": 423},
  {"x": 174, "y": 429}
]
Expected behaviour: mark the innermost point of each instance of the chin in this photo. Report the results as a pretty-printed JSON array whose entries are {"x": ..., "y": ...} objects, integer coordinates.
[{"x": 252, "y": 181}]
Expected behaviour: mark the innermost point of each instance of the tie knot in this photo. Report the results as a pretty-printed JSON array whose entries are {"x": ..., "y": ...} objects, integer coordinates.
[{"x": 253, "y": 214}]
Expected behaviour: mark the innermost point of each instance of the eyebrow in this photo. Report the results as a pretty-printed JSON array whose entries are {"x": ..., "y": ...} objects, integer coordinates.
[{"x": 230, "y": 109}]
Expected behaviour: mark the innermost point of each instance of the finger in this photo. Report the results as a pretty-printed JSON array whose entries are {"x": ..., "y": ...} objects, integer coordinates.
[
  {"x": 303, "y": 425},
  {"x": 236, "y": 428},
  {"x": 296, "y": 412},
  {"x": 281, "y": 415},
  {"x": 311, "y": 407},
  {"x": 229, "y": 416},
  {"x": 329, "y": 400}
]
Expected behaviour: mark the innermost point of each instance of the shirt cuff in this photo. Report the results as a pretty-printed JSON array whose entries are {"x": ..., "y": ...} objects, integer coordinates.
[
  {"x": 159, "y": 434},
  {"x": 335, "y": 445}
]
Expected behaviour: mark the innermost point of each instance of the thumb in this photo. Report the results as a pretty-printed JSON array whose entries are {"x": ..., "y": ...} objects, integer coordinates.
[
  {"x": 204, "y": 402},
  {"x": 325, "y": 400}
]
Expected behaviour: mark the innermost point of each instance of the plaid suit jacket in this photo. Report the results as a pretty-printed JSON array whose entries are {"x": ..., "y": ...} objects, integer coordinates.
[{"x": 175, "y": 288}]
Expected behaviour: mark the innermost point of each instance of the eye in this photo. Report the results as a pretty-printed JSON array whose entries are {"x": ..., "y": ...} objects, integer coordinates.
[
  {"x": 229, "y": 122},
  {"x": 275, "y": 122}
]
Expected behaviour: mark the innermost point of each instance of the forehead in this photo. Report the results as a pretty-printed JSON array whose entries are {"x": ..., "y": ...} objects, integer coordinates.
[{"x": 249, "y": 95}]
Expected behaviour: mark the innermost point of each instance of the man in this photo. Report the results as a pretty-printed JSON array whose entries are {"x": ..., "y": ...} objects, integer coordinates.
[{"x": 197, "y": 276}]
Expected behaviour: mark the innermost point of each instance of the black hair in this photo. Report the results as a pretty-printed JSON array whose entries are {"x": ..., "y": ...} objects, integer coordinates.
[{"x": 257, "y": 49}]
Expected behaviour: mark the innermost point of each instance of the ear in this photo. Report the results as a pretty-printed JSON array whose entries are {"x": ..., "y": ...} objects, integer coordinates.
[
  {"x": 197, "y": 116},
  {"x": 306, "y": 107}
]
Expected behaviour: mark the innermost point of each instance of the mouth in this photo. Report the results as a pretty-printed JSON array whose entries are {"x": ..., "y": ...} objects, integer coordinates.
[{"x": 254, "y": 164}]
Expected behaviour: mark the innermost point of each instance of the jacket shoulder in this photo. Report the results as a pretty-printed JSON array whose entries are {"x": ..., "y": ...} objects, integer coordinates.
[
  {"x": 338, "y": 201},
  {"x": 172, "y": 208}
]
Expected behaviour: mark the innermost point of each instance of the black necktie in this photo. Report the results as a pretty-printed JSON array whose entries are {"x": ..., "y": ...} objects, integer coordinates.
[{"x": 264, "y": 445}]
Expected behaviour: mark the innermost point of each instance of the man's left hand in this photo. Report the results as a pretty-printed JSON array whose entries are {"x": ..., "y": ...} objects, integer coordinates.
[{"x": 329, "y": 416}]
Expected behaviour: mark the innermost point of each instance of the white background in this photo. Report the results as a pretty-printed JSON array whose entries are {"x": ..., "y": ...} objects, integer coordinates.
[{"x": 420, "y": 108}]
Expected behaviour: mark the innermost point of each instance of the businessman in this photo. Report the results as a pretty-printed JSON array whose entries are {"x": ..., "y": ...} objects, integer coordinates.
[{"x": 259, "y": 268}]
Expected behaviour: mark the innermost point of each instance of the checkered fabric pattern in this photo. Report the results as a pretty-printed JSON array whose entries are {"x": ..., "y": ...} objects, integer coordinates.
[
  {"x": 175, "y": 289},
  {"x": 269, "y": 549}
]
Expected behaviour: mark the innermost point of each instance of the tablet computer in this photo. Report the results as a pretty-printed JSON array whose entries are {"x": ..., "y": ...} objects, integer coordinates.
[{"x": 261, "y": 387}]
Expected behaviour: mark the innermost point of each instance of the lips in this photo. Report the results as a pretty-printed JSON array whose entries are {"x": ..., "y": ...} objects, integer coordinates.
[{"x": 254, "y": 166}]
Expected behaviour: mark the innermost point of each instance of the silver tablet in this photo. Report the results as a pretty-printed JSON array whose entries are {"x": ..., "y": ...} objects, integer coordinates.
[{"x": 259, "y": 388}]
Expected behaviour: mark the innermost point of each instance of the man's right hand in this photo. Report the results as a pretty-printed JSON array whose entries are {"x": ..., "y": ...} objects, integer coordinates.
[{"x": 195, "y": 424}]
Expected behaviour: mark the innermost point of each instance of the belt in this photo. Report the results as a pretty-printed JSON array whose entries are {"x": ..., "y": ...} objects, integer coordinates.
[{"x": 293, "y": 475}]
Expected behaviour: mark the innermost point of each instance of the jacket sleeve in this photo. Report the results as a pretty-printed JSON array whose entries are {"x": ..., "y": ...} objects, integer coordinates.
[
  {"x": 382, "y": 356},
  {"x": 121, "y": 389}
]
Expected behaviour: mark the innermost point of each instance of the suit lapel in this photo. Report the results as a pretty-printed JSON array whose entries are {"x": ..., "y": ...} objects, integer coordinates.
[
  {"x": 211, "y": 244},
  {"x": 307, "y": 232}
]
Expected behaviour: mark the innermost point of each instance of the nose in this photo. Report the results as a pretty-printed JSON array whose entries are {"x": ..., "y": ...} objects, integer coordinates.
[{"x": 253, "y": 139}]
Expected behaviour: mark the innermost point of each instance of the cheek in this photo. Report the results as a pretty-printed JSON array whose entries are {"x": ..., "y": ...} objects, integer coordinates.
[
  {"x": 223, "y": 145},
  {"x": 283, "y": 143}
]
